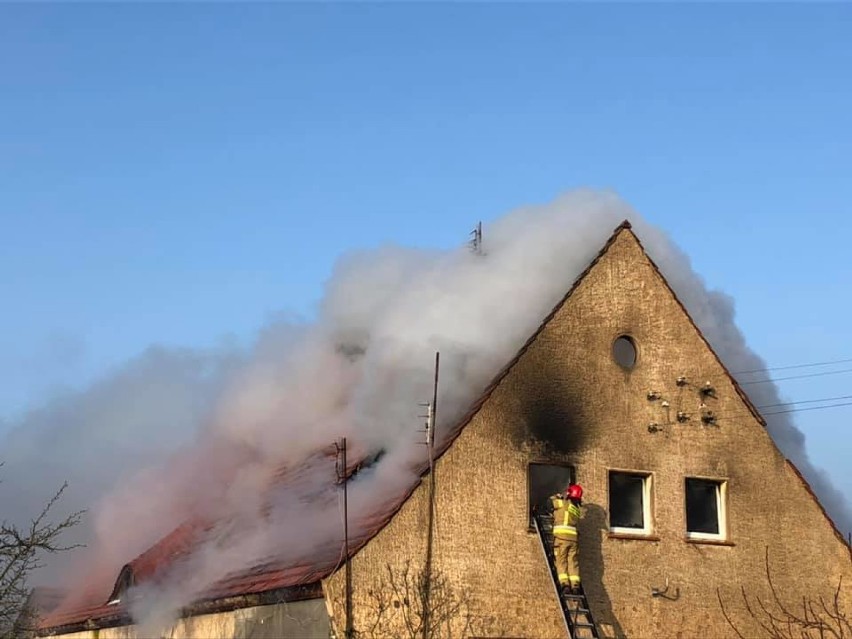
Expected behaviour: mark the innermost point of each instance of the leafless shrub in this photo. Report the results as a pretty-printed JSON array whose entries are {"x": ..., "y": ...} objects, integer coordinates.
[
  {"x": 397, "y": 607},
  {"x": 22, "y": 551},
  {"x": 814, "y": 618}
]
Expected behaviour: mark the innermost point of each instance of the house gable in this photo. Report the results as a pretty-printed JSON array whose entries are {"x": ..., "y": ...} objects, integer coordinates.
[{"x": 563, "y": 399}]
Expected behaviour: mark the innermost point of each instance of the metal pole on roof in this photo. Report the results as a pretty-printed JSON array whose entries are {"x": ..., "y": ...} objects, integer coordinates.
[
  {"x": 427, "y": 571},
  {"x": 476, "y": 243},
  {"x": 348, "y": 568}
]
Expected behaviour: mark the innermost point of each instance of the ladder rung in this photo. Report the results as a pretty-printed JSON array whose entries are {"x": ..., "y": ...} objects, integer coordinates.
[{"x": 579, "y": 602}]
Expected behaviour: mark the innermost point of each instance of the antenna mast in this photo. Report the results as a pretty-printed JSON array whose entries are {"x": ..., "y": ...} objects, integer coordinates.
[
  {"x": 430, "y": 441},
  {"x": 341, "y": 476},
  {"x": 476, "y": 241}
]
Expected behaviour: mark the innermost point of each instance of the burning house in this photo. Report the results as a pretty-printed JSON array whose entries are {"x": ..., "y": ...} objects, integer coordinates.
[{"x": 688, "y": 501}]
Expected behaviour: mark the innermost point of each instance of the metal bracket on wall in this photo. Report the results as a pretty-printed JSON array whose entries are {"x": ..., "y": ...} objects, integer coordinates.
[{"x": 662, "y": 592}]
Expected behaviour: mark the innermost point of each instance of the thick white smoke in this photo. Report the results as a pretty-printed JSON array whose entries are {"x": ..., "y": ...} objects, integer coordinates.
[
  {"x": 360, "y": 371},
  {"x": 96, "y": 439}
]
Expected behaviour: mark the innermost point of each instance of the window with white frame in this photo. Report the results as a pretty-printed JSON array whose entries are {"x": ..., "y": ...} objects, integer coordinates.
[
  {"x": 705, "y": 508},
  {"x": 630, "y": 502}
]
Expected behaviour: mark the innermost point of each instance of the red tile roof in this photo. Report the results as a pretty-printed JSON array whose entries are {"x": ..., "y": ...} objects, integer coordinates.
[
  {"x": 165, "y": 552},
  {"x": 294, "y": 573}
]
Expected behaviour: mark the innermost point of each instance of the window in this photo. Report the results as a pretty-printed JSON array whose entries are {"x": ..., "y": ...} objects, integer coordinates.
[
  {"x": 624, "y": 351},
  {"x": 545, "y": 480},
  {"x": 630, "y": 503},
  {"x": 705, "y": 508}
]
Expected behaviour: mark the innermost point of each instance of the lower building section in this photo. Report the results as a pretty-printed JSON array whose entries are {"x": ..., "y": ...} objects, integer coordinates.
[{"x": 297, "y": 620}]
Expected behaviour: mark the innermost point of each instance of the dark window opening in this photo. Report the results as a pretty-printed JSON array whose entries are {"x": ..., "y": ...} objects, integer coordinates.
[
  {"x": 624, "y": 351},
  {"x": 546, "y": 480},
  {"x": 627, "y": 500},
  {"x": 366, "y": 463},
  {"x": 126, "y": 580},
  {"x": 351, "y": 351},
  {"x": 703, "y": 502}
]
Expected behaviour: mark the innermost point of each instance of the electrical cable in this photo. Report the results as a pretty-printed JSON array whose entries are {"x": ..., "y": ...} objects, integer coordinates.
[
  {"x": 784, "y": 368},
  {"x": 781, "y": 379},
  {"x": 806, "y": 401},
  {"x": 735, "y": 415},
  {"x": 798, "y": 410},
  {"x": 780, "y": 368}
]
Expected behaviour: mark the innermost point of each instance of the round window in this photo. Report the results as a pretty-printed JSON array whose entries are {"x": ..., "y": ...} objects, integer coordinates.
[{"x": 624, "y": 351}]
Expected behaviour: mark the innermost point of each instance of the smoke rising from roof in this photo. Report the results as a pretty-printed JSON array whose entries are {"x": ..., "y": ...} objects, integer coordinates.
[{"x": 230, "y": 421}]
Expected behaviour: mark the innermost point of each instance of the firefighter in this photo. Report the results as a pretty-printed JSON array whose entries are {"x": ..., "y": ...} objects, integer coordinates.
[{"x": 566, "y": 515}]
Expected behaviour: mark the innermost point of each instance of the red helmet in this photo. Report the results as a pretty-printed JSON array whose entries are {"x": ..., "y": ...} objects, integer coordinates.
[{"x": 574, "y": 491}]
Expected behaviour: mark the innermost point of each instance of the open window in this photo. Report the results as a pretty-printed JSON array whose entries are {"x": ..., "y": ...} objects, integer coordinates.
[
  {"x": 545, "y": 480},
  {"x": 705, "y": 508},
  {"x": 630, "y": 502}
]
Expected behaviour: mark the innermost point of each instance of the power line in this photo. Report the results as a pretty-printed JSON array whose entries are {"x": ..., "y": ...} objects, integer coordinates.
[
  {"x": 798, "y": 410},
  {"x": 735, "y": 415},
  {"x": 779, "y": 368},
  {"x": 730, "y": 416},
  {"x": 781, "y": 379},
  {"x": 784, "y": 368},
  {"x": 807, "y": 401}
]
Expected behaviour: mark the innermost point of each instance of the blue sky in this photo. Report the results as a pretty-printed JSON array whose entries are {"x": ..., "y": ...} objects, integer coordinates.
[{"x": 177, "y": 174}]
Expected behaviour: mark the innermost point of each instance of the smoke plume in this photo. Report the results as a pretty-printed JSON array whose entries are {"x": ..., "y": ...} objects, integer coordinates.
[{"x": 182, "y": 435}]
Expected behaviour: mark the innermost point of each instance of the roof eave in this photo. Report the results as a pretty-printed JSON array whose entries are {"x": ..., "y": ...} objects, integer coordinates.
[{"x": 302, "y": 592}]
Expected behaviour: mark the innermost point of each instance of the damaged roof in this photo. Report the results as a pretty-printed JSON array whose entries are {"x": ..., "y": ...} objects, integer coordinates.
[
  {"x": 278, "y": 576},
  {"x": 274, "y": 580}
]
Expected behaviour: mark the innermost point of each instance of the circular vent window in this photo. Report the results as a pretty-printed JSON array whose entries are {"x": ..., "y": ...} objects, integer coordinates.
[{"x": 624, "y": 351}]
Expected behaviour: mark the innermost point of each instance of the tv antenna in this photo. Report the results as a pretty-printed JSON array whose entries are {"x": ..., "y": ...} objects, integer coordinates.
[
  {"x": 431, "y": 414},
  {"x": 476, "y": 240},
  {"x": 342, "y": 477}
]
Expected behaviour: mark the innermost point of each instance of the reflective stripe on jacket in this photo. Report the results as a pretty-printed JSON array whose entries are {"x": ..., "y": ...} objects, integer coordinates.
[{"x": 566, "y": 514}]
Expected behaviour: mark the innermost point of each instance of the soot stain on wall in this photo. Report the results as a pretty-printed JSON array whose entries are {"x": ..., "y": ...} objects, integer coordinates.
[{"x": 550, "y": 414}]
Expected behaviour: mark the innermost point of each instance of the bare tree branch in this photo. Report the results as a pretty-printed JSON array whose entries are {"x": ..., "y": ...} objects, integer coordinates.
[
  {"x": 818, "y": 619},
  {"x": 22, "y": 551},
  {"x": 396, "y": 607}
]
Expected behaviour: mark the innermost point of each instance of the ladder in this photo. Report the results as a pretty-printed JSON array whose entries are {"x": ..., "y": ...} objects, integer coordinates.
[{"x": 575, "y": 608}]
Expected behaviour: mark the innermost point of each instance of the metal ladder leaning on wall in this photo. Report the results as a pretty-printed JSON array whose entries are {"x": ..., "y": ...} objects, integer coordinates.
[{"x": 575, "y": 608}]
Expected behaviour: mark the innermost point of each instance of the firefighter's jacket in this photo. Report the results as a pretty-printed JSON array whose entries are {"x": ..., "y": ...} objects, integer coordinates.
[{"x": 566, "y": 515}]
